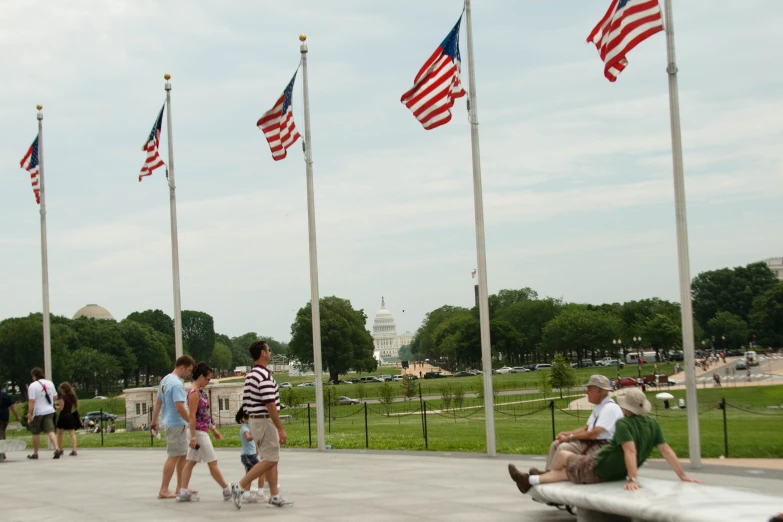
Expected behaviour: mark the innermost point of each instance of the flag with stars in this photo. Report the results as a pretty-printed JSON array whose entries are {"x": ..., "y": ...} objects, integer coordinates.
[
  {"x": 153, "y": 160},
  {"x": 30, "y": 164},
  {"x": 277, "y": 124},
  {"x": 625, "y": 25},
  {"x": 437, "y": 84}
]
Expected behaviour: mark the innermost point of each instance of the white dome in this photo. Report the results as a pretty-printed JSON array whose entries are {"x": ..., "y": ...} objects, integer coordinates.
[{"x": 93, "y": 311}]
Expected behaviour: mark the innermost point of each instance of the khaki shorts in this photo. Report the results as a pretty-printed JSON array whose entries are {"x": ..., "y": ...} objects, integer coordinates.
[
  {"x": 581, "y": 470},
  {"x": 42, "y": 423},
  {"x": 205, "y": 452},
  {"x": 267, "y": 439},
  {"x": 177, "y": 440}
]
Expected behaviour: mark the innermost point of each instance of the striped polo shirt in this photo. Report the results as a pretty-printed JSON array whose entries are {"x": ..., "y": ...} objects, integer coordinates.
[{"x": 260, "y": 390}]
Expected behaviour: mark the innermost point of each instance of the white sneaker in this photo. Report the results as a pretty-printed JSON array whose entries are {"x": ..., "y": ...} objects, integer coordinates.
[
  {"x": 249, "y": 498},
  {"x": 186, "y": 496},
  {"x": 279, "y": 502},
  {"x": 227, "y": 493},
  {"x": 236, "y": 495}
]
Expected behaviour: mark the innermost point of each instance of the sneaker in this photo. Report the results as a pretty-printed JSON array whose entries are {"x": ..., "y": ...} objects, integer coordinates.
[
  {"x": 186, "y": 496},
  {"x": 57, "y": 454},
  {"x": 236, "y": 495},
  {"x": 249, "y": 498},
  {"x": 73, "y": 453},
  {"x": 34, "y": 456},
  {"x": 261, "y": 497},
  {"x": 280, "y": 502},
  {"x": 227, "y": 493}
]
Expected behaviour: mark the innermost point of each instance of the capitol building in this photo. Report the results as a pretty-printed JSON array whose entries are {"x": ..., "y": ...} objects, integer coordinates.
[{"x": 384, "y": 334}]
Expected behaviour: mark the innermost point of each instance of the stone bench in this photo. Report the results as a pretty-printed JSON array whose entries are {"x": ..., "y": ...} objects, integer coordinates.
[{"x": 659, "y": 501}]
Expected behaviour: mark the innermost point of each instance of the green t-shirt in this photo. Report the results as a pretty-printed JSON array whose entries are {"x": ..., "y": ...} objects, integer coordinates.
[{"x": 644, "y": 431}]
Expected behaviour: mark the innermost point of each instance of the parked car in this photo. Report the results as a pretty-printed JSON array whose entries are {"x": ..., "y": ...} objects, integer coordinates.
[
  {"x": 676, "y": 356},
  {"x": 543, "y": 367},
  {"x": 95, "y": 416},
  {"x": 463, "y": 374},
  {"x": 347, "y": 400},
  {"x": 355, "y": 380},
  {"x": 625, "y": 382},
  {"x": 741, "y": 365},
  {"x": 305, "y": 384},
  {"x": 285, "y": 385},
  {"x": 434, "y": 375},
  {"x": 385, "y": 377},
  {"x": 397, "y": 378},
  {"x": 503, "y": 370},
  {"x": 584, "y": 363},
  {"x": 100, "y": 398},
  {"x": 371, "y": 378},
  {"x": 476, "y": 372},
  {"x": 519, "y": 369}
]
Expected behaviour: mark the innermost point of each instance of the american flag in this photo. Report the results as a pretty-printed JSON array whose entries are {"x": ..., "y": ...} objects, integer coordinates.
[
  {"x": 278, "y": 125},
  {"x": 626, "y": 24},
  {"x": 153, "y": 160},
  {"x": 30, "y": 164},
  {"x": 437, "y": 84}
]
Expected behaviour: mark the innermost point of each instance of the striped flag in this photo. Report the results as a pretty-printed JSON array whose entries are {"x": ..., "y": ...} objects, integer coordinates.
[
  {"x": 437, "y": 84},
  {"x": 153, "y": 160},
  {"x": 30, "y": 164},
  {"x": 626, "y": 24},
  {"x": 278, "y": 125}
]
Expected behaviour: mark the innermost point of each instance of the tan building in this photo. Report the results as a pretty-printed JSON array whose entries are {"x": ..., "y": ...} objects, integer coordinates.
[
  {"x": 384, "y": 333},
  {"x": 776, "y": 265},
  {"x": 93, "y": 311}
]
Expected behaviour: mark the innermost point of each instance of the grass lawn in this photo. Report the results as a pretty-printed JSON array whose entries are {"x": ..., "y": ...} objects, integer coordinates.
[{"x": 523, "y": 425}]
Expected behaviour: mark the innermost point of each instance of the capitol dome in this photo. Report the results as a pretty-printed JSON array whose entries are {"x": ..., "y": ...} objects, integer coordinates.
[
  {"x": 93, "y": 311},
  {"x": 384, "y": 332}
]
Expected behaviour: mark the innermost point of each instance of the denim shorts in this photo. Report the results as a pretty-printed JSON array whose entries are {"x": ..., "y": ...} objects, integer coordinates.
[{"x": 249, "y": 461}]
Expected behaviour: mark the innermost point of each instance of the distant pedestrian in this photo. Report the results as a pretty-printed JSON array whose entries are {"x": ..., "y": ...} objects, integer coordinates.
[
  {"x": 748, "y": 374},
  {"x": 6, "y": 404},
  {"x": 666, "y": 404},
  {"x": 200, "y": 424},
  {"x": 261, "y": 401},
  {"x": 682, "y": 403},
  {"x": 68, "y": 419},
  {"x": 716, "y": 378},
  {"x": 41, "y": 395},
  {"x": 170, "y": 405}
]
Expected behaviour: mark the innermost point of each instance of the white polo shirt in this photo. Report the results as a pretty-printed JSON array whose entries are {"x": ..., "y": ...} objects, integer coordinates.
[{"x": 605, "y": 415}]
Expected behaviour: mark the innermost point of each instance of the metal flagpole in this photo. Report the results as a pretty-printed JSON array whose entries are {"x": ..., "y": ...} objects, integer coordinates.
[
  {"x": 47, "y": 340},
  {"x": 314, "y": 299},
  {"x": 694, "y": 443},
  {"x": 478, "y": 203},
  {"x": 174, "y": 242}
]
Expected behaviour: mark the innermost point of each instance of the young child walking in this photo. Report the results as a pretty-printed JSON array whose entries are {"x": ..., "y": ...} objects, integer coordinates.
[
  {"x": 201, "y": 449},
  {"x": 249, "y": 457}
]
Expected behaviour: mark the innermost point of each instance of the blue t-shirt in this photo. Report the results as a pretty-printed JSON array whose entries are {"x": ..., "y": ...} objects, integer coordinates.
[
  {"x": 171, "y": 390},
  {"x": 248, "y": 446}
]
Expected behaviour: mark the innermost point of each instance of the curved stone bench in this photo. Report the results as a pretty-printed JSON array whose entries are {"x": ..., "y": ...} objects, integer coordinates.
[{"x": 660, "y": 501}]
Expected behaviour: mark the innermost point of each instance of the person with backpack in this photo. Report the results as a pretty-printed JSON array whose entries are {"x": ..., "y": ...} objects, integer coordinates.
[{"x": 41, "y": 395}]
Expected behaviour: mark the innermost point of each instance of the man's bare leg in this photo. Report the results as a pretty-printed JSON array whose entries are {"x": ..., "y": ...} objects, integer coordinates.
[
  {"x": 36, "y": 444},
  {"x": 271, "y": 476},
  {"x": 553, "y": 476},
  {"x": 256, "y": 471},
  {"x": 168, "y": 471}
]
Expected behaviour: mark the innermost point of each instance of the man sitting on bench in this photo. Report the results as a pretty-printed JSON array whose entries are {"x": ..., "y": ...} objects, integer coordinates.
[
  {"x": 635, "y": 436},
  {"x": 598, "y": 431}
]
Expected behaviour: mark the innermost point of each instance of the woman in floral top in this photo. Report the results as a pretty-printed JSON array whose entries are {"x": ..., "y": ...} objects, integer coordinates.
[{"x": 201, "y": 449}]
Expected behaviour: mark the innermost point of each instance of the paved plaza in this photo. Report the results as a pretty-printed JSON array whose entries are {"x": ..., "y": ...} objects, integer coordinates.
[{"x": 121, "y": 485}]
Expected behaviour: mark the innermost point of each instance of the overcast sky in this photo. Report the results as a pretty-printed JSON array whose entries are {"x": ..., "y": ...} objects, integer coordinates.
[{"x": 577, "y": 171}]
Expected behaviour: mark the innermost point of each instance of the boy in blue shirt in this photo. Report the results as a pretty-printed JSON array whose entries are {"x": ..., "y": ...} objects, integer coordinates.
[{"x": 249, "y": 455}]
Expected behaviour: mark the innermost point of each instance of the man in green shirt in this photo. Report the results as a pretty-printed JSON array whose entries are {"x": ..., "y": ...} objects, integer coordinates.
[{"x": 635, "y": 436}]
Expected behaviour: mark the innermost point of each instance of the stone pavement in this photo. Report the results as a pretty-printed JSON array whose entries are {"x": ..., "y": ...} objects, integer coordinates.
[{"x": 121, "y": 485}]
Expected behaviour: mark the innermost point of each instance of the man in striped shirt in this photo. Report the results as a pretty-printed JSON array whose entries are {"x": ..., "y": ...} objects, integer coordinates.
[{"x": 261, "y": 402}]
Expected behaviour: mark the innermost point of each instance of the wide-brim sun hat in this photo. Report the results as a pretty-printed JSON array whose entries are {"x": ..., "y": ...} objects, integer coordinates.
[
  {"x": 635, "y": 401},
  {"x": 600, "y": 381}
]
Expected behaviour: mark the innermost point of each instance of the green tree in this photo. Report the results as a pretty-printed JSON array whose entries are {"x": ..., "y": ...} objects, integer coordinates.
[
  {"x": 221, "y": 357},
  {"x": 730, "y": 290},
  {"x": 198, "y": 334},
  {"x": 408, "y": 387},
  {"x": 506, "y": 298},
  {"x": 21, "y": 349},
  {"x": 562, "y": 375},
  {"x": 446, "y": 395},
  {"x": 93, "y": 368},
  {"x": 386, "y": 395},
  {"x": 239, "y": 349},
  {"x": 458, "y": 396},
  {"x": 405, "y": 353},
  {"x": 545, "y": 382},
  {"x": 528, "y": 317},
  {"x": 157, "y": 319},
  {"x": 660, "y": 332},
  {"x": 361, "y": 391},
  {"x": 730, "y": 326},
  {"x": 578, "y": 331},
  {"x": 106, "y": 336},
  {"x": 345, "y": 342},
  {"x": 766, "y": 317},
  {"x": 149, "y": 348},
  {"x": 423, "y": 346}
]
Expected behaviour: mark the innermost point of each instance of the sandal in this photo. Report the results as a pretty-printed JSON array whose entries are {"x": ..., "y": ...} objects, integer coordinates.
[
  {"x": 33, "y": 456},
  {"x": 73, "y": 453}
]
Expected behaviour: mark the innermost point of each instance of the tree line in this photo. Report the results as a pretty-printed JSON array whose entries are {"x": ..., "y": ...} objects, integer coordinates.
[
  {"x": 93, "y": 353},
  {"x": 732, "y": 308}
]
